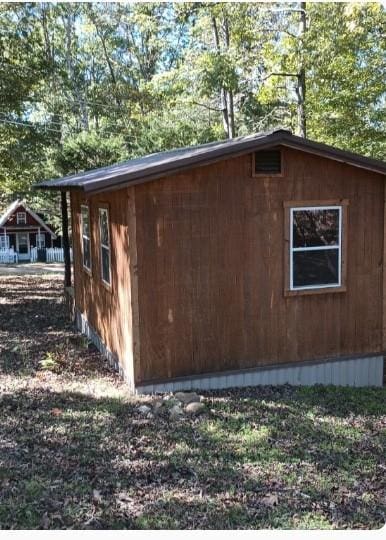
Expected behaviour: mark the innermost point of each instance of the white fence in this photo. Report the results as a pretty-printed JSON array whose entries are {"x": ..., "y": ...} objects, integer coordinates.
[
  {"x": 8, "y": 256},
  {"x": 52, "y": 254}
]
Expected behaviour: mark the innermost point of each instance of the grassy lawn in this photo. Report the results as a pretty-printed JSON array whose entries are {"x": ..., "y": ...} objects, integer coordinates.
[{"x": 76, "y": 453}]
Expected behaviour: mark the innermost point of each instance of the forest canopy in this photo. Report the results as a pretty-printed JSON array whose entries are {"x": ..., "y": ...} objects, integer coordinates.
[{"x": 88, "y": 84}]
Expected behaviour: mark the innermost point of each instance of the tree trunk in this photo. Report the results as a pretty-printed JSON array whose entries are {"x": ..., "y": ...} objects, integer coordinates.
[
  {"x": 223, "y": 93},
  {"x": 66, "y": 241},
  {"x": 47, "y": 41},
  {"x": 231, "y": 111},
  {"x": 102, "y": 39},
  {"x": 301, "y": 82},
  {"x": 69, "y": 23},
  {"x": 231, "y": 115},
  {"x": 301, "y": 94}
]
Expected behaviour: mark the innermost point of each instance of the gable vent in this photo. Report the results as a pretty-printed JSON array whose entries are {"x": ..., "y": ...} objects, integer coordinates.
[{"x": 268, "y": 162}]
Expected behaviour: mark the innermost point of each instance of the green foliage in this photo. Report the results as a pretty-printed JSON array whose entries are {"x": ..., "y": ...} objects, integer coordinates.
[
  {"x": 85, "y": 85},
  {"x": 49, "y": 362},
  {"x": 344, "y": 52},
  {"x": 89, "y": 150},
  {"x": 346, "y": 98}
]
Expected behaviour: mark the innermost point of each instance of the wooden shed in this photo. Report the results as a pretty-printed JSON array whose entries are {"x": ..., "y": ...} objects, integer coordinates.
[{"x": 257, "y": 260}]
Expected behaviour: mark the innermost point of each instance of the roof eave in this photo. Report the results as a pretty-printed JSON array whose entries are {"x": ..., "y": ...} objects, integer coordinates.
[
  {"x": 344, "y": 156},
  {"x": 279, "y": 137},
  {"x": 179, "y": 165},
  {"x": 274, "y": 139},
  {"x": 55, "y": 187}
]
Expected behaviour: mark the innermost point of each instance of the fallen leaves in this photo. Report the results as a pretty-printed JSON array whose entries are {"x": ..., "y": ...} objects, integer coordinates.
[
  {"x": 76, "y": 453},
  {"x": 45, "y": 521},
  {"x": 270, "y": 500},
  {"x": 96, "y": 496}
]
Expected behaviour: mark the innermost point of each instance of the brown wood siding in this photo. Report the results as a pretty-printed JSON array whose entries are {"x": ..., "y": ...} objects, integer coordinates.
[
  {"x": 211, "y": 268},
  {"x": 107, "y": 309}
]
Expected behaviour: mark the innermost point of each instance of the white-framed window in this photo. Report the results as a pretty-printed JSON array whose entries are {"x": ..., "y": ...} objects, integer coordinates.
[
  {"x": 104, "y": 236},
  {"x": 21, "y": 218},
  {"x": 315, "y": 247},
  {"x": 4, "y": 241},
  {"x": 85, "y": 232},
  {"x": 40, "y": 240}
]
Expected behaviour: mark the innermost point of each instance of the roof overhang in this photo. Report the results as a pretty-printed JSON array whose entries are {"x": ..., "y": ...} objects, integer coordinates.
[{"x": 157, "y": 166}]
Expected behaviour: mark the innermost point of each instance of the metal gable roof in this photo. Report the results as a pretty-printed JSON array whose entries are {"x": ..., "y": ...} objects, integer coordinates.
[{"x": 158, "y": 165}]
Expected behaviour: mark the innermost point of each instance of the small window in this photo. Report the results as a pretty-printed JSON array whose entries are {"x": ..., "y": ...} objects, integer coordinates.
[
  {"x": 105, "y": 244},
  {"x": 4, "y": 241},
  {"x": 86, "y": 242},
  {"x": 40, "y": 240},
  {"x": 21, "y": 218},
  {"x": 267, "y": 162},
  {"x": 315, "y": 247}
]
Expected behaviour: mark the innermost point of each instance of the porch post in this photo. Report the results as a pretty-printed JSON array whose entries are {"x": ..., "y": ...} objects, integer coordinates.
[{"x": 66, "y": 241}]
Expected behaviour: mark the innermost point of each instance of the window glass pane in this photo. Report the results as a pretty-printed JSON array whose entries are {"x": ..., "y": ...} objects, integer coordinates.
[
  {"x": 319, "y": 267},
  {"x": 41, "y": 240},
  {"x": 21, "y": 218},
  {"x": 106, "y": 264},
  {"x": 85, "y": 221},
  {"x": 315, "y": 228},
  {"x": 23, "y": 243},
  {"x": 4, "y": 241},
  {"x": 86, "y": 253},
  {"x": 104, "y": 227}
]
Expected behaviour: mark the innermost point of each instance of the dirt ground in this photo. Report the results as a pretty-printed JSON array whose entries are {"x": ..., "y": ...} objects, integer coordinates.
[
  {"x": 31, "y": 269},
  {"x": 75, "y": 453}
]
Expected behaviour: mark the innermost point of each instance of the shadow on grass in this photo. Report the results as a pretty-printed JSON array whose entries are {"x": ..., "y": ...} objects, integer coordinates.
[
  {"x": 34, "y": 324},
  {"x": 261, "y": 458}
]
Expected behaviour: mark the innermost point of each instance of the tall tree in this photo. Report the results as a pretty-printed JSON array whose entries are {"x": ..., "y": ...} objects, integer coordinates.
[
  {"x": 346, "y": 95},
  {"x": 82, "y": 85}
]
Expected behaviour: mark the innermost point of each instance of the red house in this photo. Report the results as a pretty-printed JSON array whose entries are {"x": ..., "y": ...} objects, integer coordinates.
[{"x": 23, "y": 229}]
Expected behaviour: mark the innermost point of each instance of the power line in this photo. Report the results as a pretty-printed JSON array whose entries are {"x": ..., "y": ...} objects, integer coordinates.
[
  {"x": 25, "y": 124},
  {"x": 51, "y": 122},
  {"x": 45, "y": 128}
]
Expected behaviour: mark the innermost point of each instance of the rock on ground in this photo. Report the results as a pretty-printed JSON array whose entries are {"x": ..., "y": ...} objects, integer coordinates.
[
  {"x": 187, "y": 397},
  {"x": 157, "y": 406},
  {"x": 144, "y": 409},
  {"x": 176, "y": 412},
  {"x": 195, "y": 408}
]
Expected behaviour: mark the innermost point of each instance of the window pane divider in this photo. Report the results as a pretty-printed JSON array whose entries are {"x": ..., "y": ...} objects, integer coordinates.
[{"x": 316, "y": 248}]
